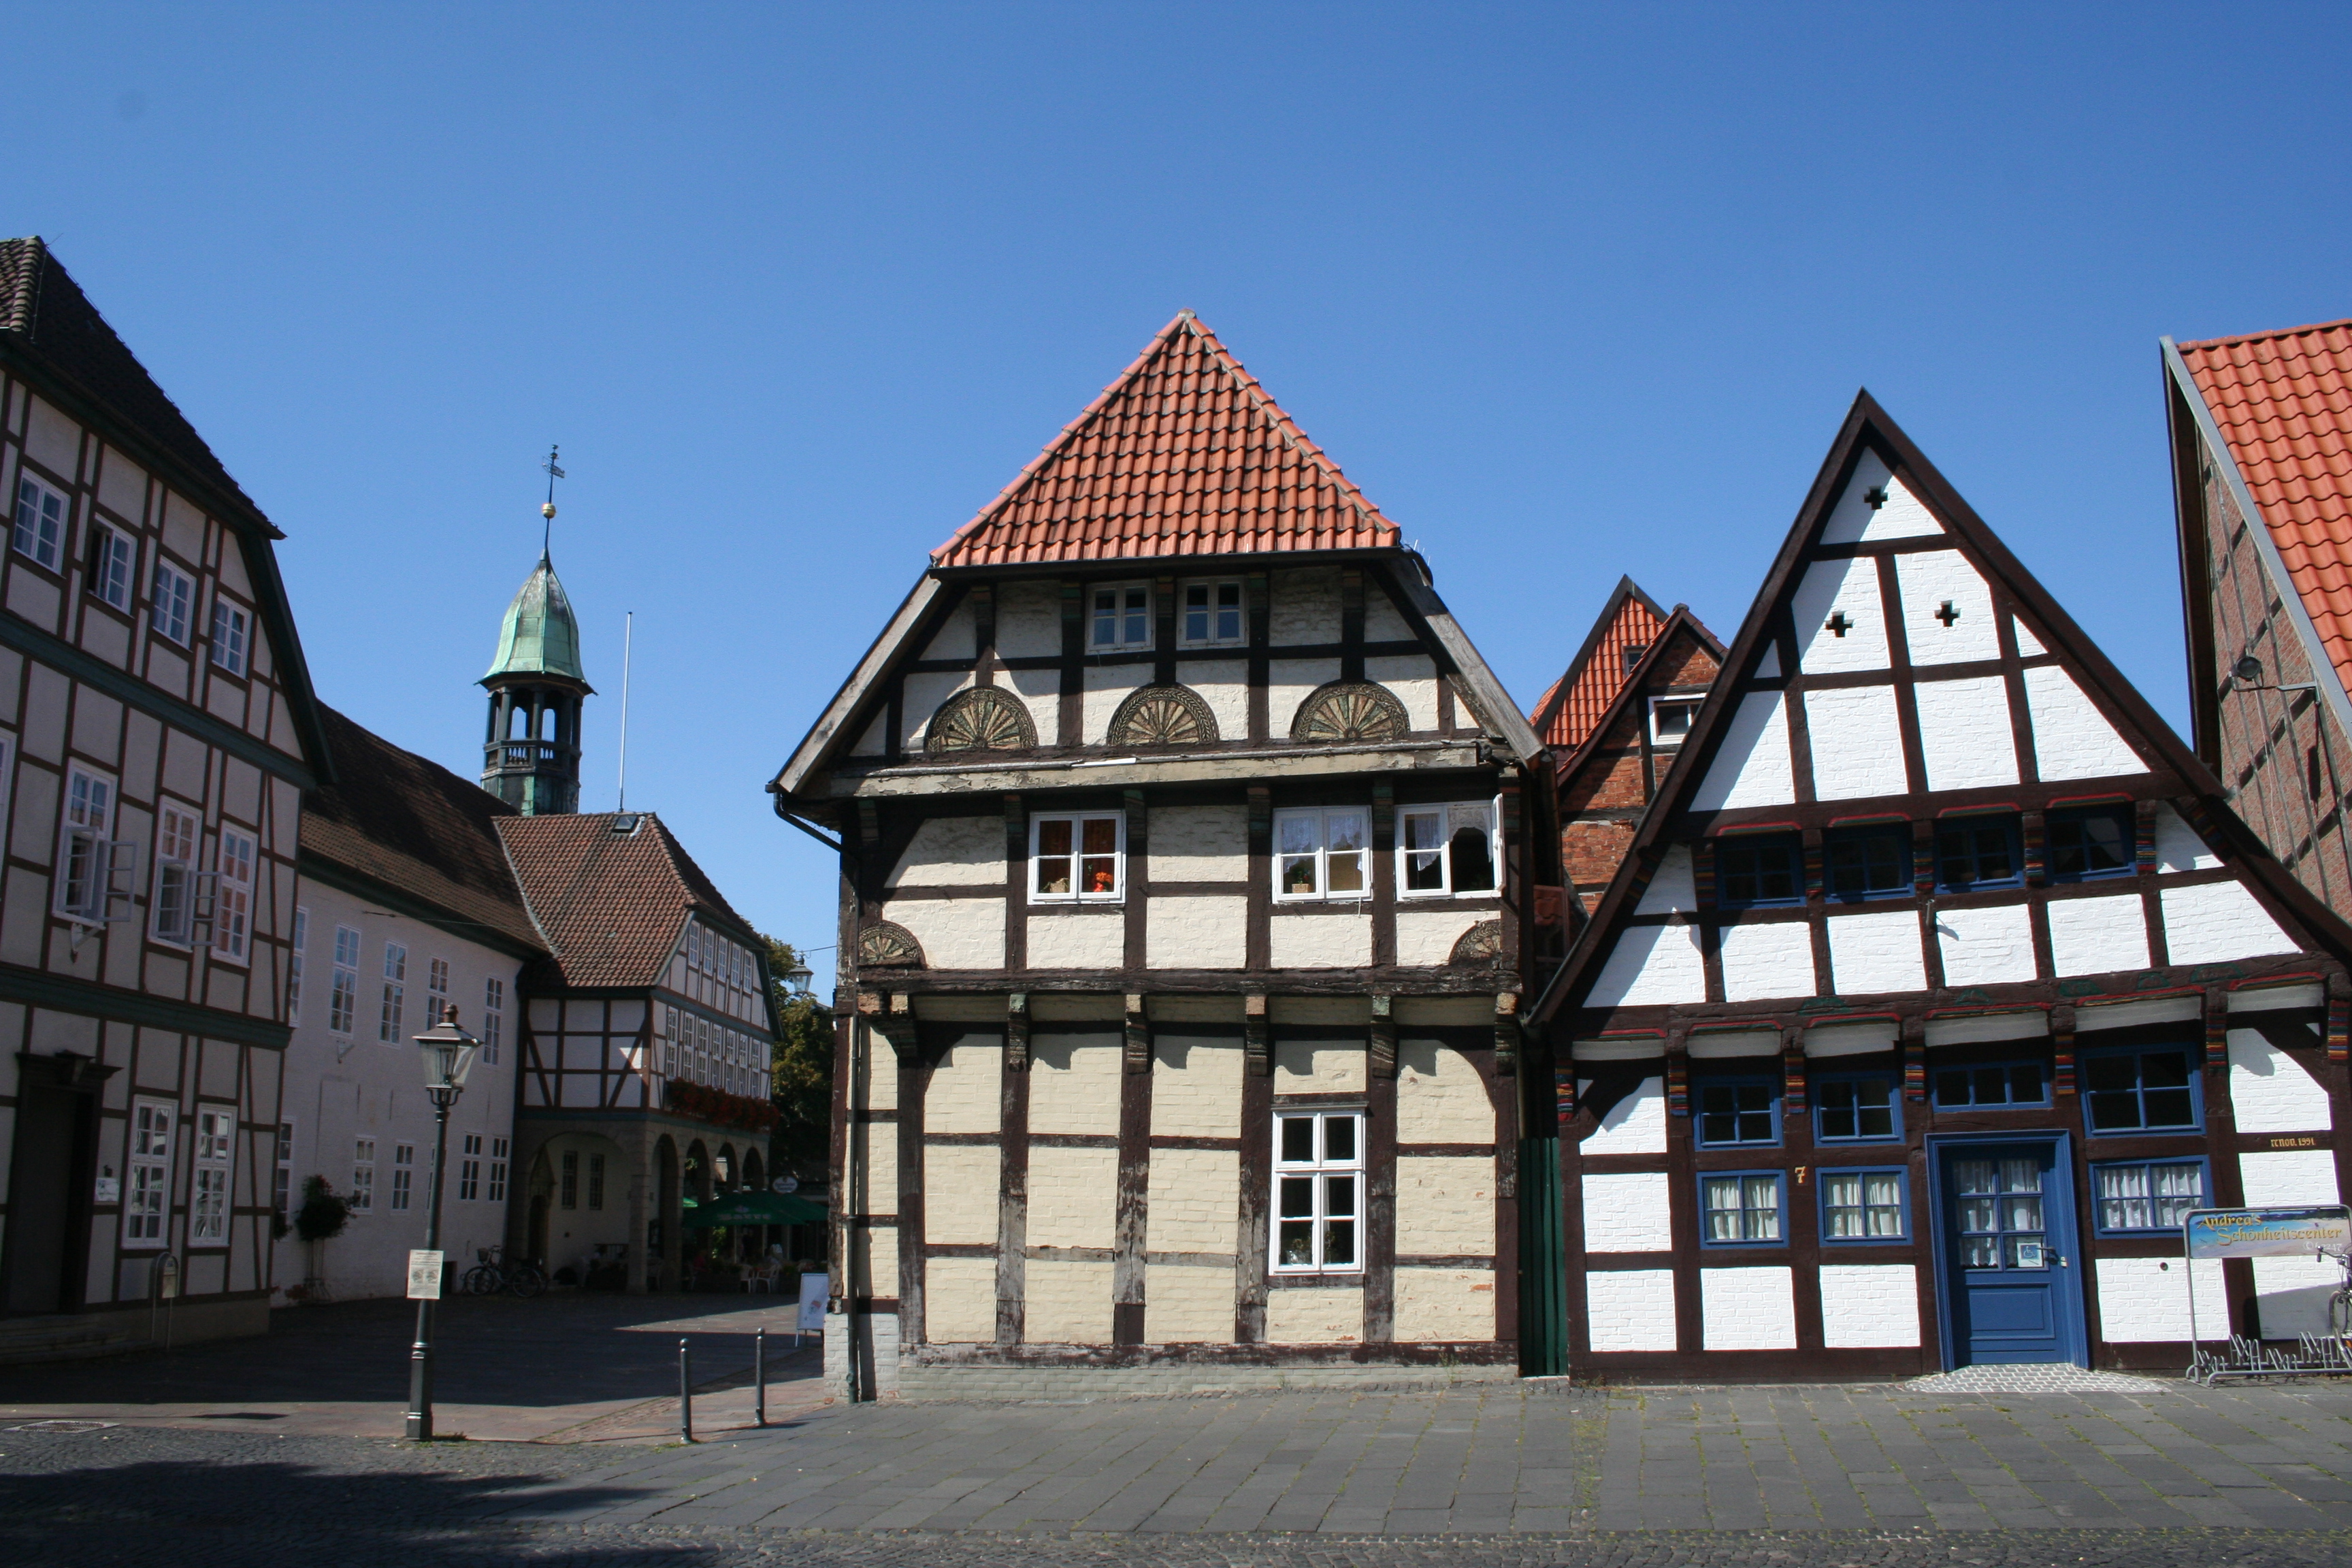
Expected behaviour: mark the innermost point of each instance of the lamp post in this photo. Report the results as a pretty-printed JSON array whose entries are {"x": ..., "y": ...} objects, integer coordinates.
[
  {"x": 798, "y": 976},
  {"x": 448, "y": 1056}
]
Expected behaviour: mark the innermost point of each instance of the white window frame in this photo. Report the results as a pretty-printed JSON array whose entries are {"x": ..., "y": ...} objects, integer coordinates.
[
  {"x": 113, "y": 567},
  {"x": 501, "y": 1152},
  {"x": 437, "y": 990},
  {"x": 1659, "y": 741},
  {"x": 42, "y": 517},
  {"x": 1078, "y": 856},
  {"x": 179, "y": 841},
  {"x": 147, "y": 1183},
  {"x": 494, "y": 1004},
  {"x": 212, "y": 1163},
  {"x": 1212, "y": 591},
  {"x": 1450, "y": 817},
  {"x": 403, "y": 1175},
  {"x": 343, "y": 987},
  {"x": 93, "y": 868},
  {"x": 395, "y": 994},
  {"x": 363, "y": 1196},
  {"x": 1121, "y": 614},
  {"x": 174, "y": 602},
  {"x": 1320, "y": 816},
  {"x": 294, "y": 966},
  {"x": 232, "y": 637},
  {"x": 282, "y": 1177},
  {"x": 469, "y": 1169},
  {"x": 1323, "y": 1175},
  {"x": 236, "y": 854}
]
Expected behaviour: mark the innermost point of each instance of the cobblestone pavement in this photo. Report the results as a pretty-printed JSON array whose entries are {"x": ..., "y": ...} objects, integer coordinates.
[{"x": 1503, "y": 1476}]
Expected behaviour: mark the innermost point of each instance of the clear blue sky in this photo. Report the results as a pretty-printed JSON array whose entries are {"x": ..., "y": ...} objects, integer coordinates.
[{"x": 1570, "y": 291}]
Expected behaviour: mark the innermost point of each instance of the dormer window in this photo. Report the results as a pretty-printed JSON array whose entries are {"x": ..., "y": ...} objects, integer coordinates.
[
  {"x": 1122, "y": 618},
  {"x": 231, "y": 629},
  {"x": 175, "y": 597},
  {"x": 40, "y": 528}
]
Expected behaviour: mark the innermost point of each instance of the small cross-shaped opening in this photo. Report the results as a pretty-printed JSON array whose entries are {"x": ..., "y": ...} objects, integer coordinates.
[
  {"x": 1837, "y": 624},
  {"x": 1875, "y": 496},
  {"x": 1947, "y": 613}
]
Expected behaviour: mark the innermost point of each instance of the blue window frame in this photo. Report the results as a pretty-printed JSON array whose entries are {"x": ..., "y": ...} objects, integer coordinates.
[
  {"x": 1743, "y": 1208},
  {"x": 1759, "y": 869},
  {"x": 1872, "y": 862},
  {"x": 2142, "y": 1089},
  {"x": 1865, "y": 1205},
  {"x": 2147, "y": 1197},
  {"x": 1735, "y": 1111},
  {"x": 2088, "y": 842},
  {"x": 1991, "y": 1086},
  {"x": 1974, "y": 852},
  {"x": 1861, "y": 1108}
]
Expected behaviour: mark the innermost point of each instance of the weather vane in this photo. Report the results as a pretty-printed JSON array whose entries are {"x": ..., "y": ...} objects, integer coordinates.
[{"x": 548, "y": 511}]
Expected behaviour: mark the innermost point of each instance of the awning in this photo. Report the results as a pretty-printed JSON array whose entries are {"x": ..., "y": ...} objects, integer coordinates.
[{"x": 753, "y": 1209}]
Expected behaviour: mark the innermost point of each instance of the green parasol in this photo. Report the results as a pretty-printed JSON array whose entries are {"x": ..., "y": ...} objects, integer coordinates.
[{"x": 753, "y": 1209}]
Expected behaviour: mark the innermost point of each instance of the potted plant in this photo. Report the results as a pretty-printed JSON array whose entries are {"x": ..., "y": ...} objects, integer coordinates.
[{"x": 321, "y": 1218}]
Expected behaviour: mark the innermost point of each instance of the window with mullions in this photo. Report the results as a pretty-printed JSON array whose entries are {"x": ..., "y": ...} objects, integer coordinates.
[
  {"x": 1741, "y": 1208},
  {"x": 1445, "y": 850},
  {"x": 1867, "y": 862},
  {"x": 1076, "y": 857},
  {"x": 2151, "y": 1195},
  {"x": 2145, "y": 1090},
  {"x": 1862, "y": 1206},
  {"x": 1322, "y": 853},
  {"x": 1739, "y": 1110},
  {"x": 1767, "y": 869},
  {"x": 1318, "y": 1191},
  {"x": 113, "y": 561},
  {"x": 1121, "y": 618},
  {"x": 1213, "y": 614},
  {"x": 2091, "y": 841},
  {"x": 1995, "y": 1086},
  {"x": 1978, "y": 852},
  {"x": 1857, "y": 1111},
  {"x": 40, "y": 522}
]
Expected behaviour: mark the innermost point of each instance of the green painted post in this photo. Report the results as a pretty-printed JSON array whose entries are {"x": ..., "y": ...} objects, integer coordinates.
[{"x": 1543, "y": 1262}]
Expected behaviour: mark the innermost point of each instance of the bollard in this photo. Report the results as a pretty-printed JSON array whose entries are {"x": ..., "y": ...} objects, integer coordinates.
[
  {"x": 760, "y": 1378},
  {"x": 685, "y": 1392}
]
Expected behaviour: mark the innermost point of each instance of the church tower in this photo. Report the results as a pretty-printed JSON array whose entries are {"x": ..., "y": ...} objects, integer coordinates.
[{"x": 530, "y": 756}]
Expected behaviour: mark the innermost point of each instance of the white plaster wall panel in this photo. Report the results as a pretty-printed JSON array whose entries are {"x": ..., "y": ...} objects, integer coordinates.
[
  {"x": 1425, "y": 938},
  {"x": 2214, "y": 922},
  {"x": 1874, "y": 953},
  {"x": 1854, "y": 520},
  {"x": 1303, "y": 605},
  {"x": 1628, "y": 1211},
  {"x": 878, "y": 1070},
  {"x": 2268, "y": 1089},
  {"x": 1383, "y": 622},
  {"x": 1931, "y": 579},
  {"x": 1869, "y": 1306},
  {"x": 1768, "y": 664},
  {"x": 1652, "y": 964},
  {"x": 1985, "y": 1027},
  {"x": 1073, "y": 1083},
  {"x": 1723, "y": 1045},
  {"x": 1223, "y": 685},
  {"x": 960, "y": 1187},
  {"x": 1200, "y": 844},
  {"x": 1040, "y": 691},
  {"x": 1833, "y": 589},
  {"x": 954, "y": 639},
  {"x": 1445, "y": 1206},
  {"x": 1629, "y": 1310},
  {"x": 2028, "y": 644},
  {"x": 1771, "y": 959},
  {"x": 1634, "y": 1125},
  {"x": 1326, "y": 938},
  {"x": 2274, "y": 998},
  {"x": 954, "y": 852},
  {"x": 1857, "y": 742},
  {"x": 2178, "y": 846},
  {"x": 874, "y": 741},
  {"x": 2145, "y": 1299},
  {"x": 1196, "y": 1085},
  {"x": 1102, "y": 688},
  {"x": 1210, "y": 932},
  {"x": 1673, "y": 886},
  {"x": 1753, "y": 766},
  {"x": 1193, "y": 1197},
  {"x": 1317, "y": 1316},
  {"x": 1288, "y": 680},
  {"x": 1441, "y": 1098},
  {"x": 1095, "y": 939},
  {"x": 877, "y": 1163},
  {"x": 1073, "y": 1196},
  {"x": 1747, "y": 1309},
  {"x": 2097, "y": 936},
  {"x": 955, "y": 934},
  {"x": 1029, "y": 619},
  {"x": 1965, "y": 739},
  {"x": 2072, "y": 739},
  {"x": 2289, "y": 1176},
  {"x": 966, "y": 1091},
  {"x": 923, "y": 695},
  {"x": 1318, "y": 1066},
  {"x": 1992, "y": 946},
  {"x": 1414, "y": 677},
  {"x": 1443, "y": 1305},
  {"x": 1065, "y": 1302},
  {"x": 1187, "y": 1305},
  {"x": 2292, "y": 1293},
  {"x": 874, "y": 1260},
  {"x": 1850, "y": 1039}
]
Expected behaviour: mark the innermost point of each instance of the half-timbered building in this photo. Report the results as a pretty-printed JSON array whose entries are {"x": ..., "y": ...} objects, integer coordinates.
[
  {"x": 1939, "y": 982},
  {"x": 1182, "y": 836}
]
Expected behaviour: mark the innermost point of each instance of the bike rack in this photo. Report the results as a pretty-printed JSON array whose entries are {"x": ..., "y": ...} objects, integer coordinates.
[{"x": 2316, "y": 1355}]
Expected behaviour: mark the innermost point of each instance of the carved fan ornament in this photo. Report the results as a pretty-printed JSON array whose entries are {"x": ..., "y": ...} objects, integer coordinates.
[
  {"x": 1482, "y": 943},
  {"x": 983, "y": 719},
  {"x": 1350, "y": 710},
  {"x": 1162, "y": 716},
  {"x": 882, "y": 945}
]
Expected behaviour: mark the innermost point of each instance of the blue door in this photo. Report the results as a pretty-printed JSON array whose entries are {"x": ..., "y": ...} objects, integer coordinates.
[{"x": 2012, "y": 1283}]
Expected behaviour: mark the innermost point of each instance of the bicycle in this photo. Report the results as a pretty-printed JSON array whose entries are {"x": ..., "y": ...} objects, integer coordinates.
[
  {"x": 492, "y": 1273},
  {"x": 2339, "y": 1305}
]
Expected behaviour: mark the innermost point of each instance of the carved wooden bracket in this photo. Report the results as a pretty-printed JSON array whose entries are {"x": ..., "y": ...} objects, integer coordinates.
[
  {"x": 1016, "y": 1031},
  {"x": 1138, "y": 1035},
  {"x": 2217, "y": 1029},
  {"x": 1507, "y": 1033},
  {"x": 1257, "y": 1049},
  {"x": 2061, "y": 1051},
  {"x": 892, "y": 1016},
  {"x": 1384, "y": 1039}
]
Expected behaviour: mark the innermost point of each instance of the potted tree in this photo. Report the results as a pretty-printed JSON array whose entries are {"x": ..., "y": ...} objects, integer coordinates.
[{"x": 321, "y": 1218}]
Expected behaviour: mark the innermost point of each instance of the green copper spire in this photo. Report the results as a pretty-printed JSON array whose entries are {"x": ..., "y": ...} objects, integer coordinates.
[{"x": 540, "y": 636}]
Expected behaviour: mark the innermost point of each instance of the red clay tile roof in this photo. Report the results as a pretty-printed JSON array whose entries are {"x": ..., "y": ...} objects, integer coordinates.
[
  {"x": 2283, "y": 403},
  {"x": 1183, "y": 455},
  {"x": 394, "y": 817},
  {"x": 609, "y": 905},
  {"x": 1632, "y": 621}
]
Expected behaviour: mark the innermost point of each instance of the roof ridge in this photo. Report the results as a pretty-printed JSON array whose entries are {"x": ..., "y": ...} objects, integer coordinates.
[{"x": 2258, "y": 337}]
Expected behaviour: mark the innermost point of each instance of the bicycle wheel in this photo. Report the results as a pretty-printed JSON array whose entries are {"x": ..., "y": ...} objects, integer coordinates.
[
  {"x": 525, "y": 1280},
  {"x": 479, "y": 1281},
  {"x": 2339, "y": 1313}
]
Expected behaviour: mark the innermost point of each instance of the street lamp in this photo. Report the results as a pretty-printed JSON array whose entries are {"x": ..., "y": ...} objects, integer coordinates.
[
  {"x": 799, "y": 975},
  {"x": 449, "y": 1055}
]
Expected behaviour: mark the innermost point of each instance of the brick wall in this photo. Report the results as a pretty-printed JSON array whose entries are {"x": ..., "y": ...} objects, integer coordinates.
[
  {"x": 1869, "y": 1305},
  {"x": 1747, "y": 1309}
]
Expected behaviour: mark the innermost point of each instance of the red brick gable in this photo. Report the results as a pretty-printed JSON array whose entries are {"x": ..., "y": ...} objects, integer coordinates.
[{"x": 1572, "y": 706}]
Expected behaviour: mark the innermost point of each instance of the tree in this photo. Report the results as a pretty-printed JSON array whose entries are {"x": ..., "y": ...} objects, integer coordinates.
[{"x": 802, "y": 1075}]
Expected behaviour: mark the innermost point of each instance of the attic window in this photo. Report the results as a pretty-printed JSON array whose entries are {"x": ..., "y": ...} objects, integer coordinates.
[
  {"x": 1670, "y": 719},
  {"x": 626, "y": 824},
  {"x": 1633, "y": 652}
]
